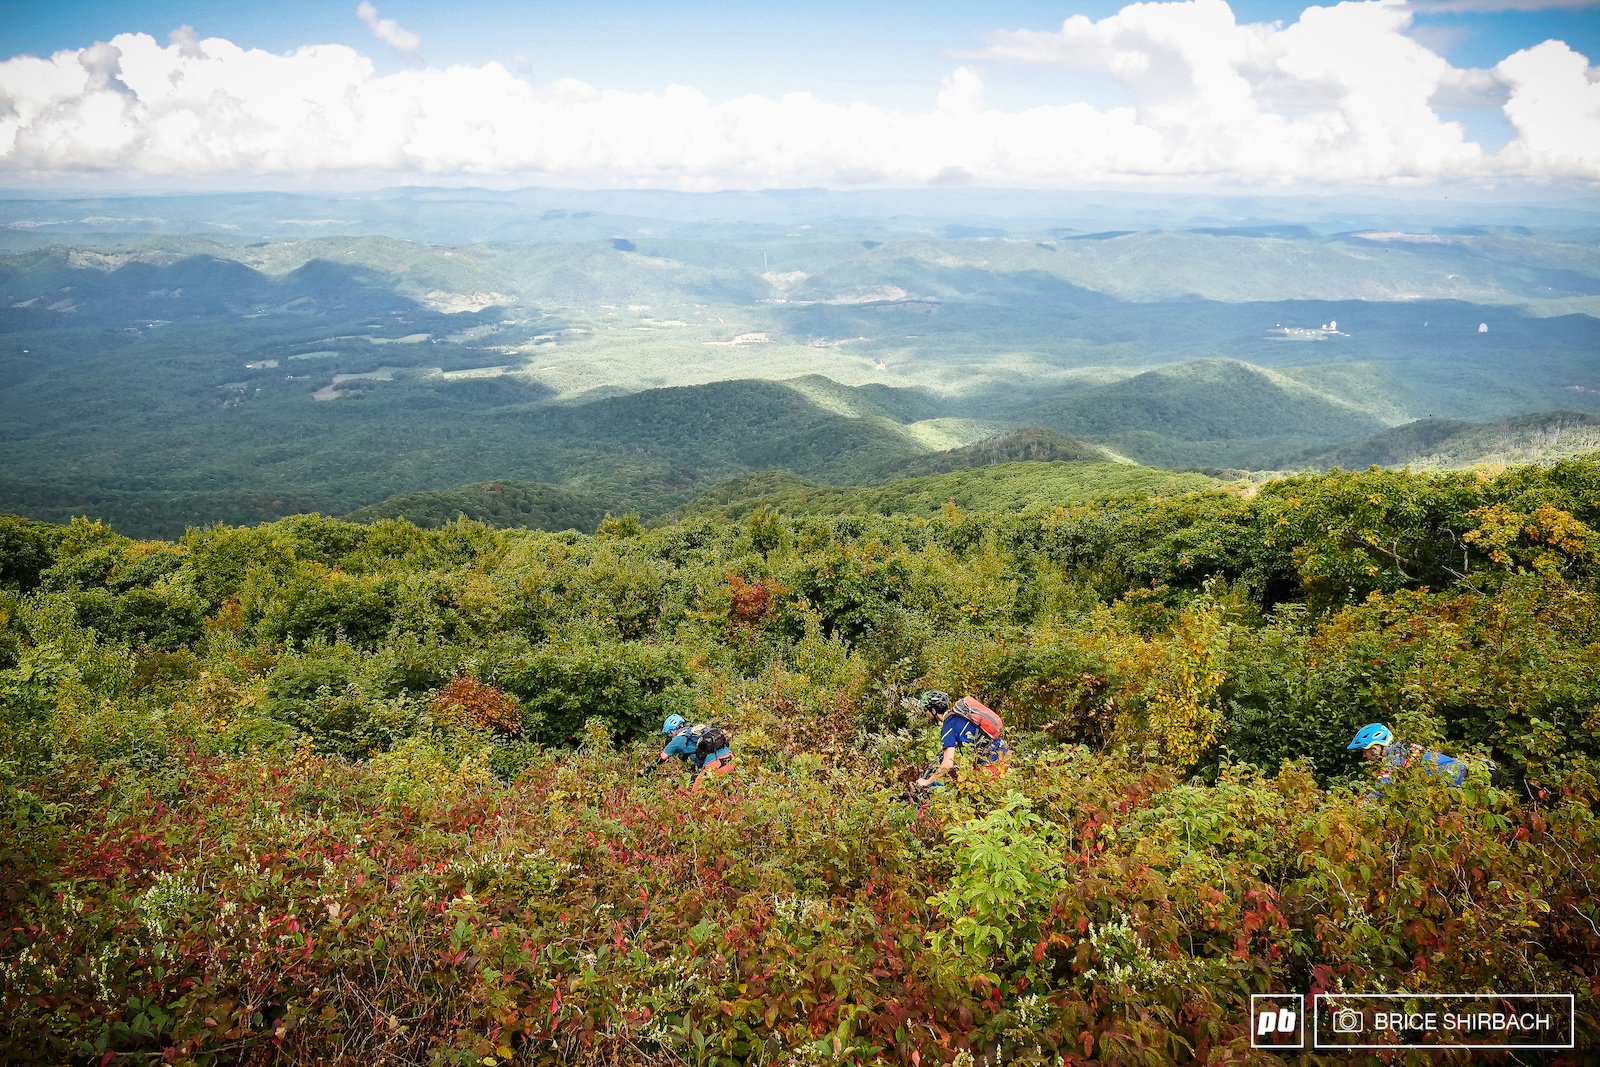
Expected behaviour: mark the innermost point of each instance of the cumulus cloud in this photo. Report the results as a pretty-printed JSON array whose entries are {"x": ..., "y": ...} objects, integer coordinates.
[
  {"x": 389, "y": 32},
  {"x": 188, "y": 42},
  {"x": 1343, "y": 92},
  {"x": 1342, "y": 95},
  {"x": 1555, "y": 105}
]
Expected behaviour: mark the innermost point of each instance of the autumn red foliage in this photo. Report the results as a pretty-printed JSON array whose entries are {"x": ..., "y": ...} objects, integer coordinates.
[{"x": 478, "y": 705}]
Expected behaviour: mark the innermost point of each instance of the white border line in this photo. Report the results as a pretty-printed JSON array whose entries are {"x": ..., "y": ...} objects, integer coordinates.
[{"x": 1316, "y": 1036}]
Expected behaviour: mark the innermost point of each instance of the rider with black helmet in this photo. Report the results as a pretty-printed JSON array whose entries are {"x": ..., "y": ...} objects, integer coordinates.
[{"x": 956, "y": 731}]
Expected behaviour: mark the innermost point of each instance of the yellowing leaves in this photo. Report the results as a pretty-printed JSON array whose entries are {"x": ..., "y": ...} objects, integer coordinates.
[
  {"x": 1177, "y": 676},
  {"x": 1547, "y": 540}
]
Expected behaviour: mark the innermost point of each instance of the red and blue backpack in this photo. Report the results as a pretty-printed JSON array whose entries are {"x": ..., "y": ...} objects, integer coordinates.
[{"x": 988, "y": 721}]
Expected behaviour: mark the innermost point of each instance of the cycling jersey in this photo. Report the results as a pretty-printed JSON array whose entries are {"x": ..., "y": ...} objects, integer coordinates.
[{"x": 1402, "y": 755}]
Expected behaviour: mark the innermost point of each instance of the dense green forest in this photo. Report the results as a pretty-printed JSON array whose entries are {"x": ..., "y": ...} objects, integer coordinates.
[
  {"x": 321, "y": 791},
  {"x": 991, "y": 487}
]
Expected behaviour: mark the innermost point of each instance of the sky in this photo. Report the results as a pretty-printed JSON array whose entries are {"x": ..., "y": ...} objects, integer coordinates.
[{"x": 1197, "y": 94}]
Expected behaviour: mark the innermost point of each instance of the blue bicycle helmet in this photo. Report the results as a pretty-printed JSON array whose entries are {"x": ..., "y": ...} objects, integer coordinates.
[
  {"x": 673, "y": 723},
  {"x": 1371, "y": 734}
]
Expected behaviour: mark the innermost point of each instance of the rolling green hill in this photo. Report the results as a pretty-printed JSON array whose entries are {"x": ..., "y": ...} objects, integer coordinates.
[
  {"x": 1206, "y": 412},
  {"x": 1000, "y": 487},
  {"x": 534, "y": 505},
  {"x": 1446, "y": 443},
  {"x": 1032, "y": 443},
  {"x": 196, "y": 458}
]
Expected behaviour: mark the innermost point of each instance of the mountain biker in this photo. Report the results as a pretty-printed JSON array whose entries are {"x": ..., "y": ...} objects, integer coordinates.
[
  {"x": 704, "y": 748},
  {"x": 956, "y": 731},
  {"x": 1376, "y": 744},
  {"x": 679, "y": 744}
]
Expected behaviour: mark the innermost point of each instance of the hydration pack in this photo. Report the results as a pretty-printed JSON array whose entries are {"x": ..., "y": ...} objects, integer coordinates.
[
  {"x": 708, "y": 740},
  {"x": 980, "y": 715},
  {"x": 989, "y": 758}
]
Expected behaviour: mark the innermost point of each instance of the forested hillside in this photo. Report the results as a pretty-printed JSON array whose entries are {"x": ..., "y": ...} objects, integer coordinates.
[
  {"x": 499, "y": 504},
  {"x": 1454, "y": 443},
  {"x": 347, "y": 792},
  {"x": 993, "y": 487},
  {"x": 1031, "y": 444}
]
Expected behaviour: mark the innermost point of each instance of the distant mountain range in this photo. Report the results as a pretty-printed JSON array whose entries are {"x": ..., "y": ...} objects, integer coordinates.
[
  {"x": 457, "y": 216},
  {"x": 545, "y": 358}
]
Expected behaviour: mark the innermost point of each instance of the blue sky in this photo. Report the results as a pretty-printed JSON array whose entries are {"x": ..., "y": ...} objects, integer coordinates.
[
  {"x": 884, "y": 51},
  {"x": 828, "y": 93}
]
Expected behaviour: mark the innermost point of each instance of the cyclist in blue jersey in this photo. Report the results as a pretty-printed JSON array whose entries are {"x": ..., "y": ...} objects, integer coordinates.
[
  {"x": 1376, "y": 743},
  {"x": 688, "y": 744},
  {"x": 957, "y": 732}
]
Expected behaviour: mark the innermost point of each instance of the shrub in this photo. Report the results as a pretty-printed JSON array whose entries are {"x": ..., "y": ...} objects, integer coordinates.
[
  {"x": 27, "y": 550},
  {"x": 483, "y": 707},
  {"x": 323, "y": 696},
  {"x": 631, "y": 685}
]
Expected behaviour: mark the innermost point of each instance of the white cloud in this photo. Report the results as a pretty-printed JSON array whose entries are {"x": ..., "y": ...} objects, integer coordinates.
[
  {"x": 963, "y": 94},
  {"x": 1341, "y": 96},
  {"x": 188, "y": 42},
  {"x": 389, "y": 31},
  {"x": 1555, "y": 107}
]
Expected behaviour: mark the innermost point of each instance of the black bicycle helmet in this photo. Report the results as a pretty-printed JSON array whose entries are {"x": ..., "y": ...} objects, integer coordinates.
[{"x": 936, "y": 701}]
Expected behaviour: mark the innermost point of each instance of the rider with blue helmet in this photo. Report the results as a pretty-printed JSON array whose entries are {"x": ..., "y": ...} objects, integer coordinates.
[
  {"x": 1376, "y": 742},
  {"x": 690, "y": 745},
  {"x": 679, "y": 744}
]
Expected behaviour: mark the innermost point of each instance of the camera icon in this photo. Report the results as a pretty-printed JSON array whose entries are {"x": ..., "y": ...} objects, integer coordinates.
[{"x": 1348, "y": 1021}]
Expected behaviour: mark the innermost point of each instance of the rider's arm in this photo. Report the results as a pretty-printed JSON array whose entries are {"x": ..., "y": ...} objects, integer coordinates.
[
  {"x": 950, "y": 739},
  {"x": 947, "y": 761}
]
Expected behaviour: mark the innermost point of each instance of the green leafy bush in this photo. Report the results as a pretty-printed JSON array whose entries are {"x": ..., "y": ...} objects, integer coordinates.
[{"x": 632, "y": 686}]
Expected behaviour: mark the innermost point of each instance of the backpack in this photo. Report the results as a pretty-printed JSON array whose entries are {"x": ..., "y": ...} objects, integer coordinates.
[
  {"x": 980, "y": 715},
  {"x": 992, "y": 752},
  {"x": 708, "y": 740}
]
